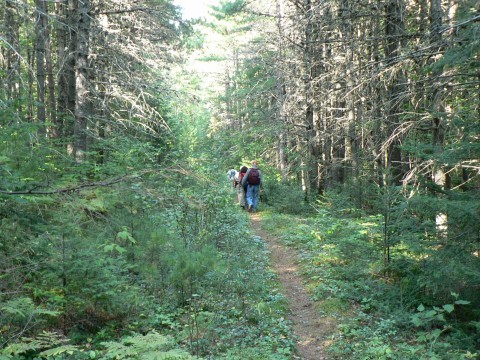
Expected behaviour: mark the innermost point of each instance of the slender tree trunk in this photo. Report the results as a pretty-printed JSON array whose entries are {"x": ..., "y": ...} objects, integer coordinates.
[
  {"x": 228, "y": 102},
  {"x": 3, "y": 55},
  {"x": 328, "y": 145},
  {"x": 329, "y": 105},
  {"x": 82, "y": 107},
  {"x": 317, "y": 69},
  {"x": 394, "y": 31},
  {"x": 40, "y": 31},
  {"x": 52, "y": 107},
  {"x": 376, "y": 136},
  {"x": 440, "y": 176},
  {"x": 238, "y": 124},
  {"x": 67, "y": 43},
  {"x": 72, "y": 53},
  {"x": 282, "y": 157},
  {"x": 281, "y": 94},
  {"x": 313, "y": 120},
  {"x": 103, "y": 109},
  {"x": 350, "y": 134},
  {"x": 13, "y": 84},
  {"x": 61, "y": 36}
]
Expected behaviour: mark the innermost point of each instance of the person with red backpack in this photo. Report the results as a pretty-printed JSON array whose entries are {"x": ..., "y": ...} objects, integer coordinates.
[
  {"x": 240, "y": 188},
  {"x": 253, "y": 180}
]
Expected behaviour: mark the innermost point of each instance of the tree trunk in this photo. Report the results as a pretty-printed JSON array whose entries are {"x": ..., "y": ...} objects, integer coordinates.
[
  {"x": 40, "y": 31},
  {"x": 313, "y": 119},
  {"x": 61, "y": 36},
  {"x": 440, "y": 176},
  {"x": 13, "y": 84},
  {"x": 67, "y": 42},
  {"x": 82, "y": 106},
  {"x": 394, "y": 30},
  {"x": 52, "y": 107},
  {"x": 350, "y": 163},
  {"x": 281, "y": 94},
  {"x": 376, "y": 133}
]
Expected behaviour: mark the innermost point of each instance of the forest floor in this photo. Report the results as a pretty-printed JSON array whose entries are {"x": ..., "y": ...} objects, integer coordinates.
[{"x": 311, "y": 329}]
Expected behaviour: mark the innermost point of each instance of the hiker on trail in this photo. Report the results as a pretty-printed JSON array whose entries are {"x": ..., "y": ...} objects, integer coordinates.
[
  {"x": 253, "y": 180},
  {"x": 231, "y": 175},
  {"x": 241, "y": 189}
]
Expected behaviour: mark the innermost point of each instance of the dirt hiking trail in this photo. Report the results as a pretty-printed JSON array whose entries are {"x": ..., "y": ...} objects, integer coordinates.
[{"x": 310, "y": 329}]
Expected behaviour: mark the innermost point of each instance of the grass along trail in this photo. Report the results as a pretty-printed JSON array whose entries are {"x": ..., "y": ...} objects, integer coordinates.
[{"x": 311, "y": 330}]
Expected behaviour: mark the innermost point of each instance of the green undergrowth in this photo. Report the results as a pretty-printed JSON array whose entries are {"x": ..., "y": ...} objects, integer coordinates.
[
  {"x": 151, "y": 270},
  {"x": 376, "y": 312}
]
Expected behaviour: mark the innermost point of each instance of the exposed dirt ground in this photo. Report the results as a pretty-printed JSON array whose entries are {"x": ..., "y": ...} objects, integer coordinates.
[{"x": 311, "y": 330}]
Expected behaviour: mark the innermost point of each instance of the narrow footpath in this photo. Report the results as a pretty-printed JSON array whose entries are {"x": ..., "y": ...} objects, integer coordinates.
[{"x": 310, "y": 329}]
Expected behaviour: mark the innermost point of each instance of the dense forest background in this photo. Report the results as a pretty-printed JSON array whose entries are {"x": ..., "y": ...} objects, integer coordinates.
[{"x": 119, "y": 120}]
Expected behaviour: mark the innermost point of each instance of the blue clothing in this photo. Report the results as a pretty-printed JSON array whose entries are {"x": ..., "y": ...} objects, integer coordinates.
[
  {"x": 252, "y": 190},
  {"x": 252, "y": 196}
]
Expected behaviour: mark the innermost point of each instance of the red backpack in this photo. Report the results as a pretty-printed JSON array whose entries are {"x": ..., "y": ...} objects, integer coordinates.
[
  {"x": 253, "y": 177},
  {"x": 240, "y": 177}
]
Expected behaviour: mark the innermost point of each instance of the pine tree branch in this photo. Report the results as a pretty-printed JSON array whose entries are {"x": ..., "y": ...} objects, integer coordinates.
[
  {"x": 475, "y": 18},
  {"x": 96, "y": 184},
  {"x": 75, "y": 188},
  {"x": 124, "y": 11}
]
